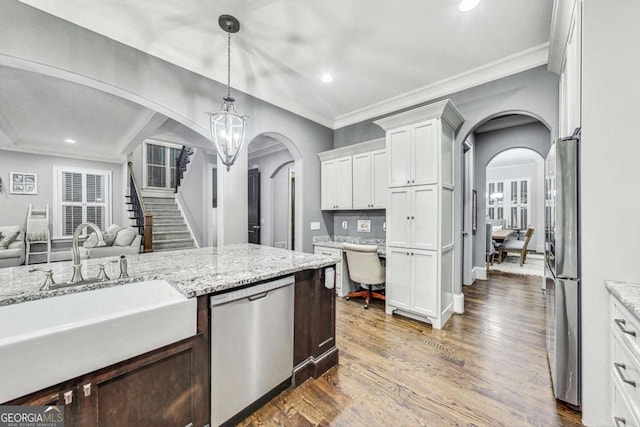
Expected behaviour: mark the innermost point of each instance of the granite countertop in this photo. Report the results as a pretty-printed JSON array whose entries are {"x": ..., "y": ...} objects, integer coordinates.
[
  {"x": 193, "y": 272},
  {"x": 627, "y": 293},
  {"x": 337, "y": 241}
]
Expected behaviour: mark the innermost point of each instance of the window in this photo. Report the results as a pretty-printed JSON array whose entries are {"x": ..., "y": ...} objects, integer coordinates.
[
  {"x": 510, "y": 197},
  {"x": 160, "y": 164},
  {"x": 81, "y": 195}
]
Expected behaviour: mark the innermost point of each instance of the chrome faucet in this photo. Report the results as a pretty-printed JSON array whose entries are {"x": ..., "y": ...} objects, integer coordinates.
[{"x": 77, "y": 267}]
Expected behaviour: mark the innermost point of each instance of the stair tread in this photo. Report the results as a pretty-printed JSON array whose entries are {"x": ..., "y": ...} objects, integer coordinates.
[{"x": 173, "y": 241}]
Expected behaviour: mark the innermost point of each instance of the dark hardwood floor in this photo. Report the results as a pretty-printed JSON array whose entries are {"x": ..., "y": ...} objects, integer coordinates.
[{"x": 487, "y": 367}]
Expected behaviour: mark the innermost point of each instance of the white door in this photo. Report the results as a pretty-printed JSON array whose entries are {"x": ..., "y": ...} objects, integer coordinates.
[
  {"x": 343, "y": 185},
  {"x": 398, "y": 285},
  {"x": 425, "y": 153},
  {"x": 424, "y": 299},
  {"x": 399, "y": 156},
  {"x": 328, "y": 185},
  {"x": 379, "y": 179},
  {"x": 362, "y": 181},
  {"x": 424, "y": 217},
  {"x": 399, "y": 217}
]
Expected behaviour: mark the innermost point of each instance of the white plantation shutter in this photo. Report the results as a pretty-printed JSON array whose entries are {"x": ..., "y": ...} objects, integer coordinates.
[{"x": 82, "y": 196}]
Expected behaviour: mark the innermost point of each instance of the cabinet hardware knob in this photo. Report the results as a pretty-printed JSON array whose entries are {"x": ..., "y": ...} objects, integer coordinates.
[
  {"x": 86, "y": 389},
  {"x": 408, "y": 181},
  {"x": 618, "y": 421},
  {"x": 408, "y": 218},
  {"x": 413, "y": 217},
  {"x": 619, "y": 367},
  {"x": 621, "y": 323},
  {"x": 68, "y": 397},
  {"x": 413, "y": 180}
]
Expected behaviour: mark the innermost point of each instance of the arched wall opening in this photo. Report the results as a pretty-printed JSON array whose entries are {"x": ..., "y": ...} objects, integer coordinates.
[
  {"x": 491, "y": 135},
  {"x": 279, "y": 162}
]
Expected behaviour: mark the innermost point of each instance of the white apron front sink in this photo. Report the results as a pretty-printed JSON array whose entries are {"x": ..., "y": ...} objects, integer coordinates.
[{"x": 47, "y": 341}]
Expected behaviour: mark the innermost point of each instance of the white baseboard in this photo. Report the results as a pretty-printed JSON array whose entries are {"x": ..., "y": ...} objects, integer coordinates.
[
  {"x": 479, "y": 273},
  {"x": 458, "y": 303}
]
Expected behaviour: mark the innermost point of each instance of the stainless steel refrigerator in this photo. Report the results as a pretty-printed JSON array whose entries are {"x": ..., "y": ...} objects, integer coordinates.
[{"x": 562, "y": 271}]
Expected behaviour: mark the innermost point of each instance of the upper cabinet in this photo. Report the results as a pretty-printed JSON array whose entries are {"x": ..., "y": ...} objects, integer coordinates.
[
  {"x": 354, "y": 177},
  {"x": 413, "y": 154},
  {"x": 336, "y": 189}
]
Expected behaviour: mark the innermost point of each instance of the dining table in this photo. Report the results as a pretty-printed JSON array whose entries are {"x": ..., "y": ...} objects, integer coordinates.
[{"x": 502, "y": 235}]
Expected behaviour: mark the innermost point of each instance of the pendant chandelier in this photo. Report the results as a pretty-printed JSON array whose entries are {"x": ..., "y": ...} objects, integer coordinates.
[{"x": 227, "y": 126}]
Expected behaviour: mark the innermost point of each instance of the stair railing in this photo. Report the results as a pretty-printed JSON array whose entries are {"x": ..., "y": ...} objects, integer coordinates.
[
  {"x": 143, "y": 218},
  {"x": 181, "y": 165}
]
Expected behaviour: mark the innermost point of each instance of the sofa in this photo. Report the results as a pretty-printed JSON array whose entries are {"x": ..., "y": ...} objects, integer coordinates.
[
  {"x": 118, "y": 241},
  {"x": 13, "y": 254}
]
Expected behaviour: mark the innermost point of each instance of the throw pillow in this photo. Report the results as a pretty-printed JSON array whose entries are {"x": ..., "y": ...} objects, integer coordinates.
[
  {"x": 8, "y": 239},
  {"x": 125, "y": 237}
]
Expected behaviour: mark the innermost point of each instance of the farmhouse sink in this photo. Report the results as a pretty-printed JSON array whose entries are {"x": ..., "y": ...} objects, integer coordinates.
[{"x": 47, "y": 341}]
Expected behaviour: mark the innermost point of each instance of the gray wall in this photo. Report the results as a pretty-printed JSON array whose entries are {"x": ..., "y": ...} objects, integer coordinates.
[
  {"x": 533, "y": 92},
  {"x": 14, "y": 207},
  {"x": 609, "y": 183},
  {"x": 377, "y": 217},
  {"x": 488, "y": 144},
  {"x": 33, "y": 39},
  {"x": 274, "y": 195}
]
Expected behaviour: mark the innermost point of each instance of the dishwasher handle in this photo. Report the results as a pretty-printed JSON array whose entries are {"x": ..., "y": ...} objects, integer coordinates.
[{"x": 258, "y": 296}]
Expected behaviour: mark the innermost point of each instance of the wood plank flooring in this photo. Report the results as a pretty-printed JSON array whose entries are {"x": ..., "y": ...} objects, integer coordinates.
[{"x": 487, "y": 367}]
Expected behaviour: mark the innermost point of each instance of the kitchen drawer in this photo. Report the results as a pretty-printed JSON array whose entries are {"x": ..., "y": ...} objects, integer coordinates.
[
  {"x": 334, "y": 252},
  {"x": 342, "y": 281},
  {"x": 625, "y": 367},
  {"x": 622, "y": 414},
  {"x": 627, "y": 326}
]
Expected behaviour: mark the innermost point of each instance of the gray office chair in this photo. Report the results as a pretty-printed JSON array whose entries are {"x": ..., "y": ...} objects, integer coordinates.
[{"x": 366, "y": 269}]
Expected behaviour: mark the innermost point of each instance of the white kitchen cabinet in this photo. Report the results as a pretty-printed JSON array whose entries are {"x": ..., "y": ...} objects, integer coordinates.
[
  {"x": 412, "y": 220},
  {"x": 342, "y": 275},
  {"x": 411, "y": 275},
  {"x": 336, "y": 188},
  {"x": 413, "y": 154},
  {"x": 370, "y": 180},
  {"x": 420, "y": 199}
]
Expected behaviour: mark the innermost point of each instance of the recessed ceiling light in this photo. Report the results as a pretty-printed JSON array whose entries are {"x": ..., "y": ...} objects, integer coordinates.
[
  {"x": 467, "y": 5},
  {"x": 326, "y": 78},
  {"x": 70, "y": 141}
]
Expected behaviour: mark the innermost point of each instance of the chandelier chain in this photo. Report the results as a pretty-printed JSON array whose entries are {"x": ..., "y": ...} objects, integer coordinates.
[{"x": 229, "y": 65}]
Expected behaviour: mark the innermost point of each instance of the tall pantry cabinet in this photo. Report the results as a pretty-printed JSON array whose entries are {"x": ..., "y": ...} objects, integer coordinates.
[{"x": 420, "y": 199}]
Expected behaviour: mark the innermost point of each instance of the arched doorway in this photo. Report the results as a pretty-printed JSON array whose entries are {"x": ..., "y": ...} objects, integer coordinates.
[
  {"x": 490, "y": 137},
  {"x": 274, "y": 192}
]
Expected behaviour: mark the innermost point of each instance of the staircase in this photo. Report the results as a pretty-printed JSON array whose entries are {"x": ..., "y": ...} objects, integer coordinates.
[{"x": 170, "y": 231}]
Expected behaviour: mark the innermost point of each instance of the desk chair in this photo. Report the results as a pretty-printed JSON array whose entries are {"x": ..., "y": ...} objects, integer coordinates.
[
  {"x": 366, "y": 269},
  {"x": 512, "y": 245}
]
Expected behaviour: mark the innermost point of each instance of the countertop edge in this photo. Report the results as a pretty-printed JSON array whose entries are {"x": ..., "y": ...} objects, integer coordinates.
[{"x": 627, "y": 293}]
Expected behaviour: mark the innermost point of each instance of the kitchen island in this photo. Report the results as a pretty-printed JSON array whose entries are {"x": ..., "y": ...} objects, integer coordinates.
[{"x": 171, "y": 385}]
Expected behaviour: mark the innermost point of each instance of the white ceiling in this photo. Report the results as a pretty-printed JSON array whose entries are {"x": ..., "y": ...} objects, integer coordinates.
[
  {"x": 514, "y": 157},
  {"x": 384, "y": 55},
  {"x": 38, "y": 112}
]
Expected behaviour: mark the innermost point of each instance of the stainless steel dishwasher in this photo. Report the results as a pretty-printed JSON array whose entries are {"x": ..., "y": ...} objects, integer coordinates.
[{"x": 251, "y": 345}]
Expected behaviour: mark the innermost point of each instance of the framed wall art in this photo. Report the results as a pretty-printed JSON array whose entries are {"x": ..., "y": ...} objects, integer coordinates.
[{"x": 23, "y": 183}]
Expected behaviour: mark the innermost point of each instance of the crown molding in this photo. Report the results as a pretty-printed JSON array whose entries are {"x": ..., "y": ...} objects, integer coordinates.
[
  {"x": 512, "y": 64},
  {"x": 42, "y": 151}
]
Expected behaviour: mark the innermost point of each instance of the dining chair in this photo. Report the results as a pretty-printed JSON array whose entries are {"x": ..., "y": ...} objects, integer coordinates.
[
  {"x": 365, "y": 269},
  {"x": 512, "y": 245}
]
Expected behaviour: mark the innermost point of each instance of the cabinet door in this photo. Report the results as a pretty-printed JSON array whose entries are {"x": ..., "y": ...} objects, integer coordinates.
[
  {"x": 155, "y": 391},
  {"x": 379, "y": 179},
  {"x": 62, "y": 395},
  {"x": 362, "y": 181},
  {"x": 328, "y": 185},
  {"x": 425, "y": 152},
  {"x": 424, "y": 217},
  {"x": 424, "y": 280},
  {"x": 398, "y": 285},
  {"x": 399, "y": 156},
  {"x": 343, "y": 184},
  {"x": 324, "y": 316},
  {"x": 399, "y": 217}
]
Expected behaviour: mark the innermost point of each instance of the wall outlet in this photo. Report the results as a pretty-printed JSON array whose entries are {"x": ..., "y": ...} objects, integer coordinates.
[
  {"x": 315, "y": 226},
  {"x": 384, "y": 226},
  {"x": 344, "y": 225}
]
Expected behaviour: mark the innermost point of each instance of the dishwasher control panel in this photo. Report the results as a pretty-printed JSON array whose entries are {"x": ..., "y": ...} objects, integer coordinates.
[{"x": 251, "y": 291}]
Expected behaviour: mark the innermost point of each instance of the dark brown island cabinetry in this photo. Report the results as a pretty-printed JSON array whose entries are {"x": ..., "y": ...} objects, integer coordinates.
[
  {"x": 165, "y": 387},
  {"x": 314, "y": 350}
]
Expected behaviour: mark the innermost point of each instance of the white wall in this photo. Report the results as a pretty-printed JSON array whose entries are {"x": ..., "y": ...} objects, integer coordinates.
[
  {"x": 274, "y": 195},
  {"x": 610, "y": 198},
  {"x": 14, "y": 207},
  {"x": 536, "y": 194}
]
